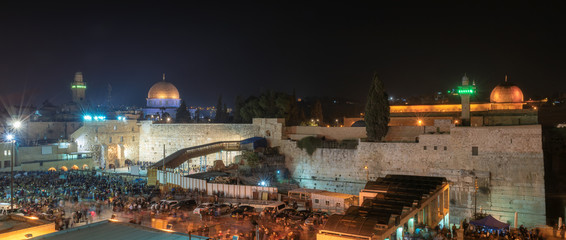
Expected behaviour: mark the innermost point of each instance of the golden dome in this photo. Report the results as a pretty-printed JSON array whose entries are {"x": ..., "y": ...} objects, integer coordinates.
[
  {"x": 506, "y": 92},
  {"x": 163, "y": 90}
]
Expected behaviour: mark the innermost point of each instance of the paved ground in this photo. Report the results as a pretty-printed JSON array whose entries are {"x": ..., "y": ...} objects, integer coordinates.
[{"x": 220, "y": 226}]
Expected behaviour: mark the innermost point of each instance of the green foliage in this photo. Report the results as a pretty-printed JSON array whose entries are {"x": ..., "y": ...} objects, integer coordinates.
[
  {"x": 237, "y": 109},
  {"x": 377, "y": 111},
  {"x": 183, "y": 114},
  {"x": 270, "y": 104},
  {"x": 251, "y": 159},
  {"x": 221, "y": 111},
  {"x": 197, "y": 115},
  {"x": 310, "y": 144},
  {"x": 293, "y": 117}
]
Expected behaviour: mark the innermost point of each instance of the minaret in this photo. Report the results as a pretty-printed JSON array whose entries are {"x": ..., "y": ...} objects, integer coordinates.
[
  {"x": 78, "y": 88},
  {"x": 465, "y": 91}
]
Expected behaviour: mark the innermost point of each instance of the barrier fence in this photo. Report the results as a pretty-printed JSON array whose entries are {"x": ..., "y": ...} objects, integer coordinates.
[{"x": 227, "y": 190}]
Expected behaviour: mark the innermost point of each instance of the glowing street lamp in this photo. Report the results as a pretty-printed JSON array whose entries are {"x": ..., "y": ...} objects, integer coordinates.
[{"x": 17, "y": 124}]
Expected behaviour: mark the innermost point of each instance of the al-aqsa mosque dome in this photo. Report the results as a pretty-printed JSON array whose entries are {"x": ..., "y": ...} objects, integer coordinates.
[
  {"x": 163, "y": 97},
  {"x": 506, "y": 92}
]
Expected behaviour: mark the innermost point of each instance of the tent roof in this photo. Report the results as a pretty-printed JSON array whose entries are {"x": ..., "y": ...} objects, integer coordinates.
[{"x": 490, "y": 222}]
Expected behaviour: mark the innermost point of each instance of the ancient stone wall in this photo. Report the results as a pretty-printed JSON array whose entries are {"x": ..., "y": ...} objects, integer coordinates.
[
  {"x": 508, "y": 167},
  {"x": 179, "y": 136}
]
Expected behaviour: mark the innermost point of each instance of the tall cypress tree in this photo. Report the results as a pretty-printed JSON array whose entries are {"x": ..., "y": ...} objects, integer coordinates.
[
  {"x": 219, "y": 116},
  {"x": 316, "y": 112},
  {"x": 377, "y": 111},
  {"x": 237, "y": 107},
  {"x": 293, "y": 111},
  {"x": 183, "y": 114}
]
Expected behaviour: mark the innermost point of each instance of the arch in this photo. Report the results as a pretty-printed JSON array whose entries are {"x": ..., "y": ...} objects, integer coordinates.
[
  {"x": 51, "y": 169},
  {"x": 85, "y": 167},
  {"x": 75, "y": 167},
  {"x": 64, "y": 169}
]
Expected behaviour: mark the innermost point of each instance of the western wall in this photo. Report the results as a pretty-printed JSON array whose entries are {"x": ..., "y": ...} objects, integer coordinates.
[
  {"x": 509, "y": 168},
  {"x": 509, "y": 162},
  {"x": 178, "y": 136}
]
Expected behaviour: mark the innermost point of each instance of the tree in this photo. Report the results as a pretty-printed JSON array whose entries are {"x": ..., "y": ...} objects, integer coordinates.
[
  {"x": 268, "y": 105},
  {"x": 183, "y": 114},
  {"x": 219, "y": 117},
  {"x": 316, "y": 112},
  {"x": 197, "y": 115},
  {"x": 225, "y": 113},
  {"x": 237, "y": 109},
  {"x": 293, "y": 115},
  {"x": 377, "y": 111}
]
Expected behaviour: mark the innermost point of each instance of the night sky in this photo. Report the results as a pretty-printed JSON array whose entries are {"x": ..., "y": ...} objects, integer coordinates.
[{"x": 323, "y": 49}]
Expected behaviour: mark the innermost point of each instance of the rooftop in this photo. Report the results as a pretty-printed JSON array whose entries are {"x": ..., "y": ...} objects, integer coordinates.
[
  {"x": 117, "y": 230},
  {"x": 396, "y": 195}
]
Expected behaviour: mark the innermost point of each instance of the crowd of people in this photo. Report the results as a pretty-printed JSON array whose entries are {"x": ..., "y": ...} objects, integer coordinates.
[
  {"x": 67, "y": 197},
  {"x": 80, "y": 197}
]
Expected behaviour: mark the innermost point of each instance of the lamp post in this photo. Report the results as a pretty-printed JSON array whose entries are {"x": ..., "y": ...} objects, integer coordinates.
[{"x": 15, "y": 125}]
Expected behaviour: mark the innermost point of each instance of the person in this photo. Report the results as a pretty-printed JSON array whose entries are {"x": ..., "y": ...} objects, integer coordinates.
[{"x": 454, "y": 233}]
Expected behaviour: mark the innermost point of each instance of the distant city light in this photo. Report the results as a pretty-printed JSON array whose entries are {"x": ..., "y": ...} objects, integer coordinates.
[
  {"x": 262, "y": 183},
  {"x": 121, "y": 118},
  {"x": 96, "y": 118}
]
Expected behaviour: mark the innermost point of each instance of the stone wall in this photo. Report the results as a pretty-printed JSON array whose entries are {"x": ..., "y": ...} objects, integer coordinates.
[
  {"x": 508, "y": 166},
  {"x": 330, "y": 133},
  {"x": 111, "y": 141},
  {"x": 179, "y": 136},
  {"x": 37, "y": 131}
]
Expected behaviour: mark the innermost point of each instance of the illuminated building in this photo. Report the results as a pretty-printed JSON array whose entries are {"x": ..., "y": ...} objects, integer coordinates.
[
  {"x": 506, "y": 107},
  {"x": 78, "y": 88},
  {"x": 163, "y": 97}
]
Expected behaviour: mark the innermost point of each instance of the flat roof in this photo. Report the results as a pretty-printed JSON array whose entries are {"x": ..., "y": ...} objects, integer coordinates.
[
  {"x": 335, "y": 194},
  {"x": 117, "y": 230},
  {"x": 396, "y": 194},
  {"x": 306, "y": 190}
]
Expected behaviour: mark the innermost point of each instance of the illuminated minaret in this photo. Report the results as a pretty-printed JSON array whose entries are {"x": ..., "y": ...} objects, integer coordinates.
[
  {"x": 465, "y": 91},
  {"x": 78, "y": 88}
]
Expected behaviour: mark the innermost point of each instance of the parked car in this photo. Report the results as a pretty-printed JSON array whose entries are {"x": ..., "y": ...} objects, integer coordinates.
[
  {"x": 187, "y": 205},
  {"x": 169, "y": 202},
  {"x": 224, "y": 208},
  {"x": 309, "y": 221},
  {"x": 277, "y": 207},
  {"x": 204, "y": 206},
  {"x": 242, "y": 210}
]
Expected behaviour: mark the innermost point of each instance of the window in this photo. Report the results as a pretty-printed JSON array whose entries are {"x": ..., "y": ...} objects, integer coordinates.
[
  {"x": 474, "y": 151},
  {"x": 115, "y": 127},
  {"x": 327, "y": 203},
  {"x": 316, "y": 201},
  {"x": 132, "y": 129},
  {"x": 96, "y": 138},
  {"x": 122, "y": 139},
  {"x": 435, "y": 148},
  {"x": 110, "y": 139},
  {"x": 6, "y": 163},
  {"x": 337, "y": 204},
  {"x": 424, "y": 147},
  {"x": 96, "y": 130},
  {"x": 133, "y": 138},
  {"x": 445, "y": 148}
]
